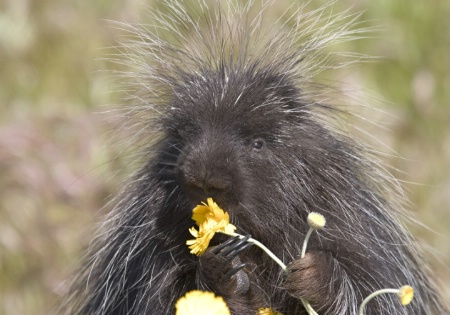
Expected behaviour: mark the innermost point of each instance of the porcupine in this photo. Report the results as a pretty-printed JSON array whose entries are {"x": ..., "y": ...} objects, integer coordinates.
[{"x": 230, "y": 110}]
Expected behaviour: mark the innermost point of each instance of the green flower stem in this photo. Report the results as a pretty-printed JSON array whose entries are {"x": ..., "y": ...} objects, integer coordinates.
[
  {"x": 374, "y": 294},
  {"x": 306, "y": 304}
]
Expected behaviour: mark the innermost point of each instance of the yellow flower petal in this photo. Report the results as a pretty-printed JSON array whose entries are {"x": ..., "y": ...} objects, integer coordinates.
[
  {"x": 406, "y": 294},
  {"x": 199, "y": 213},
  {"x": 268, "y": 311},
  {"x": 193, "y": 232},
  {"x": 217, "y": 212},
  {"x": 229, "y": 229},
  {"x": 201, "y": 303}
]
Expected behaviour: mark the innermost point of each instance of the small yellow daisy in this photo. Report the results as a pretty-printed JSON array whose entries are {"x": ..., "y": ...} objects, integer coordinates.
[
  {"x": 211, "y": 219},
  {"x": 201, "y": 303}
]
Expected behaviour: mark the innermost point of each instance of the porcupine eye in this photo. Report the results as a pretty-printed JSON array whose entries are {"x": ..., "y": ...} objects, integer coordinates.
[{"x": 258, "y": 144}]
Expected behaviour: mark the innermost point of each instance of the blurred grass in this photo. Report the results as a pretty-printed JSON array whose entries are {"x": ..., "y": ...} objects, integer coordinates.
[{"x": 57, "y": 171}]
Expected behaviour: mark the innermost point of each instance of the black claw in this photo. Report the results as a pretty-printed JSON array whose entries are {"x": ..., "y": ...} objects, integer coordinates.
[
  {"x": 217, "y": 249},
  {"x": 231, "y": 272},
  {"x": 240, "y": 249},
  {"x": 235, "y": 247}
]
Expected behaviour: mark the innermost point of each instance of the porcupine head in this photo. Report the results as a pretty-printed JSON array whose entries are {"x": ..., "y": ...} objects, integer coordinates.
[{"x": 224, "y": 105}]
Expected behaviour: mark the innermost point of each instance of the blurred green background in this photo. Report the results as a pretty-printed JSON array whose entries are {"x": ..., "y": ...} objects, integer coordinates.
[{"x": 58, "y": 170}]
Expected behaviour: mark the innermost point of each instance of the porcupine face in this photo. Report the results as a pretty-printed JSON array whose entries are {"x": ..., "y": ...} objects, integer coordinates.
[{"x": 237, "y": 134}]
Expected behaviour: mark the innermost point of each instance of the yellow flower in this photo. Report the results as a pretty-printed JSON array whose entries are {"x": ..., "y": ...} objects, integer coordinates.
[
  {"x": 210, "y": 211},
  {"x": 211, "y": 219},
  {"x": 406, "y": 294},
  {"x": 268, "y": 311},
  {"x": 201, "y": 303}
]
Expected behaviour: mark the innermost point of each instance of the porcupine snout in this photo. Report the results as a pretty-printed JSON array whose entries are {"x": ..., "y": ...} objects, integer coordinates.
[{"x": 208, "y": 168}]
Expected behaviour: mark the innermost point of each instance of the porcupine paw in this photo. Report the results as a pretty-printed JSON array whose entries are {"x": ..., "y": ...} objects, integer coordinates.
[
  {"x": 310, "y": 278},
  {"x": 221, "y": 269}
]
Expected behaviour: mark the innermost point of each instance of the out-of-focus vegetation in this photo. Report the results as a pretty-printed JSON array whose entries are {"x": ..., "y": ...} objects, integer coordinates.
[{"x": 57, "y": 169}]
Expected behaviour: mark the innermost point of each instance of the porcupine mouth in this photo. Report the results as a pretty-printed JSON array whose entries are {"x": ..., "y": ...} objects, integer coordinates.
[{"x": 196, "y": 196}]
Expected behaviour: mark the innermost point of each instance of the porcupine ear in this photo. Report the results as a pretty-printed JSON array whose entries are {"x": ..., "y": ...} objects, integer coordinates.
[{"x": 223, "y": 36}]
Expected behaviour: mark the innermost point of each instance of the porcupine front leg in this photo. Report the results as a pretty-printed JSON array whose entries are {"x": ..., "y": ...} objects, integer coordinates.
[
  {"x": 222, "y": 272},
  {"x": 317, "y": 277}
]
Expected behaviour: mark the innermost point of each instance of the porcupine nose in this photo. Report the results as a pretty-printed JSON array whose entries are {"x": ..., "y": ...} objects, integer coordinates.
[
  {"x": 207, "y": 173},
  {"x": 205, "y": 180}
]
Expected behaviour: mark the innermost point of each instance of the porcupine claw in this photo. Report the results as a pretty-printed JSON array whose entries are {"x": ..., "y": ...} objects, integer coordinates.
[
  {"x": 234, "y": 270},
  {"x": 235, "y": 246},
  {"x": 229, "y": 250}
]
